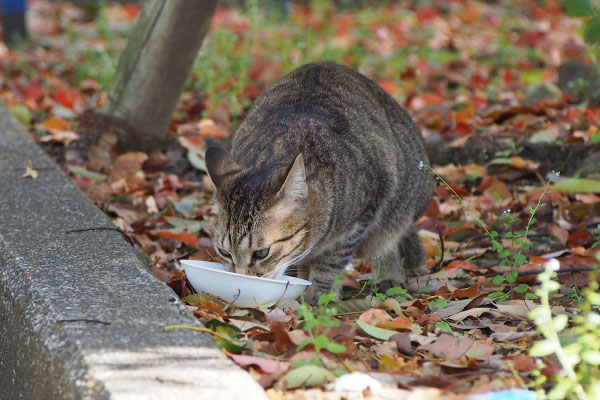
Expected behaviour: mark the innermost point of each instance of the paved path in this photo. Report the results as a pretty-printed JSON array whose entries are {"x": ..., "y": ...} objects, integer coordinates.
[{"x": 80, "y": 316}]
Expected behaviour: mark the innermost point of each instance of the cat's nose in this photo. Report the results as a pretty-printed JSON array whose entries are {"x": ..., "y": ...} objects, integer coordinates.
[{"x": 244, "y": 270}]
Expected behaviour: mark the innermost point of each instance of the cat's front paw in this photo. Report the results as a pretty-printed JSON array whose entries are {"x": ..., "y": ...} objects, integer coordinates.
[{"x": 311, "y": 296}]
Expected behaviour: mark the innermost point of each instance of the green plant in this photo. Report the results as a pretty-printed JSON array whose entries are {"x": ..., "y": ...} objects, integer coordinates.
[
  {"x": 397, "y": 292},
  {"x": 597, "y": 234},
  {"x": 590, "y": 29},
  {"x": 579, "y": 86},
  {"x": 508, "y": 256},
  {"x": 444, "y": 326},
  {"x": 577, "y": 351},
  {"x": 316, "y": 324},
  {"x": 97, "y": 61},
  {"x": 512, "y": 149},
  {"x": 221, "y": 70},
  {"x": 439, "y": 302}
]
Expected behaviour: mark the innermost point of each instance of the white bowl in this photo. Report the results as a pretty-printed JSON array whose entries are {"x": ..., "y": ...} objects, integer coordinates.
[{"x": 253, "y": 291}]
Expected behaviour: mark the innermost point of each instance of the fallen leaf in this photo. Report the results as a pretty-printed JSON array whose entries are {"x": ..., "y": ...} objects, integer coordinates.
[
  {"x": 402, "y": 340},
  {"x": 65, "y": 137},
  {"x": 266, "y": 365},
  {"x": 21, "y": 111},
  {"x": 452, "y": 308},
  {"x": 374, "y": 316},
  {"x": 450, "y": 348},
  {"x": 96, "y": 177},
  {"x": 195, "y": 144},
  {"x": 522, "y": 362},
  {"x": 283, "y": 341},
  {"x": 55, "y": 124},
  {"x": 378, "y": 333},
  {"x": 128, "y": 164},
  {"x": 184, "y": 237},
  {"x": 305, "y": 376},
  {"x": 577, "y": 185},
  {"x": 208, "y": 128},
  {"x": 398, "y": 324},
  {"x": 30, "y": 173},
  {"x": 470, "y": 292},
  {"x": 475, "y": 313},
  {"x": 579, "y": 237}
]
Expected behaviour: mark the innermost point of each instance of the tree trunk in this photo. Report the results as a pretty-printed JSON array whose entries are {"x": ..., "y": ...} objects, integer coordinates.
[{"x": 154, "y": 66}]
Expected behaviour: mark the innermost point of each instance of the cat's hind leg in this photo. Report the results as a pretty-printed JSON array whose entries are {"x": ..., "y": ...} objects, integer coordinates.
[{"x": 403, "y": 251}]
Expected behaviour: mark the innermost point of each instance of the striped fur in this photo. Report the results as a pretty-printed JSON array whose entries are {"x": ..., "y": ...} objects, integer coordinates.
[{"x": 359, "y": 152}]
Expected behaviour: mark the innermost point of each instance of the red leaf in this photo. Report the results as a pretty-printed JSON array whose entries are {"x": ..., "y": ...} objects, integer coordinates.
[
  {"x": 507, "y": 76},
  {"x": 426, "y": 13},
  {"x": 390, "y": 86},
  {"x": 464, "y": 128},
  {"x": 522, "y": 362},
  {"x": 184, "y": 237},
  {"x": 282, "y": 338},
  {"x": 579, "y": 237},
  {"x": 32, "y": 91},
  {"x": 180, "y": 286},
  {"x": 266, "y": 365},
  {"x": 468, "y": 293},
  {"x": 132, "y": 10},
  {"x": 66, "y": 98}
]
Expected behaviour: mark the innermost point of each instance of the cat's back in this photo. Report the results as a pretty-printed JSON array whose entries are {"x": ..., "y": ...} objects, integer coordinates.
[
  {"x": 357, "y": 142},
  {"x": 317, "y": 107}
]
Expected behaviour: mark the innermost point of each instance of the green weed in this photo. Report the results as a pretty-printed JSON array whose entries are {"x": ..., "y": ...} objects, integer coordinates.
[
  {"x": 317, "y": 323},
  {"x": 577, "y": 349},
  {"x": 508, "y": 256}
]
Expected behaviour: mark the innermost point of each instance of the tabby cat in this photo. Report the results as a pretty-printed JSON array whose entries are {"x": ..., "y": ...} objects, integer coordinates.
[{"x": 324, "y": 165}]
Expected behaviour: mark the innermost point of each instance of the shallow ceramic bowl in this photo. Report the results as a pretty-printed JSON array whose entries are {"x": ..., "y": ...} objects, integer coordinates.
[{"x": 253, "y": 291}]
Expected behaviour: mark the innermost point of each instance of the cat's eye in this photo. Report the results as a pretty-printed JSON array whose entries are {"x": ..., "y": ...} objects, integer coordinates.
[
  {"x": 262, "y": 253},
  {"x": 224, "y": 253}
]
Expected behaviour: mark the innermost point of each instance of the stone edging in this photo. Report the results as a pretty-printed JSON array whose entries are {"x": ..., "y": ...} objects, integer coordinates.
[{"x": 80, "y": 315}]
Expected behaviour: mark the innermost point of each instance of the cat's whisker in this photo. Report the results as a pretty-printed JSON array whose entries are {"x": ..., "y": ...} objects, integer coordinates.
[
  {"x": 282, "y": 269},
  {"x": 210, "y": 224}
]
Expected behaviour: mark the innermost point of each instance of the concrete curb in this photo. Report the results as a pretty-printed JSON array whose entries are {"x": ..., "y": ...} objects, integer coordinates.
[{"x": 80, "y": 316}]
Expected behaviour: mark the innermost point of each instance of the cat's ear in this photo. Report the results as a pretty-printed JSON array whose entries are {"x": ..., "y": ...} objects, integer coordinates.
[
  {"x": 220, "y": 166},
  {"x": 294, "y": 190}
]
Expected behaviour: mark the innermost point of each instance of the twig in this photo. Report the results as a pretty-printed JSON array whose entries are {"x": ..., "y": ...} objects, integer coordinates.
[
  {"x": 232, "y": 301},
  {"x": 464, "y": 243},
  {"x": 102, "y": 228},
  {"x": 441, "y": 264},
  {"x": 280, "y": 297}
]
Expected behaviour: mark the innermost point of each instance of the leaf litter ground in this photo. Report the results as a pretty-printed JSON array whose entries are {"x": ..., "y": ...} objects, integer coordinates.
[{"x": 465, "y": 70}]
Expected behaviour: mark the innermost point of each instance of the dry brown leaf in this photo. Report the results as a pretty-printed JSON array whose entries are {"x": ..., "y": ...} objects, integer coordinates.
[
  {"x": 374, "y": 316},
  {"x": 475, "y": 313},
  {"x": 450, "y": 348}
]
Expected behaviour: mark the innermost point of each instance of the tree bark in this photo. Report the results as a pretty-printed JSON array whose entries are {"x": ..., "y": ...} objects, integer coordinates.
[{"x": 154, "y": 66}]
